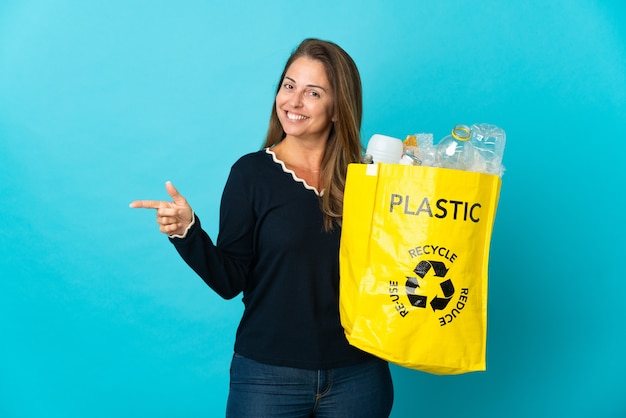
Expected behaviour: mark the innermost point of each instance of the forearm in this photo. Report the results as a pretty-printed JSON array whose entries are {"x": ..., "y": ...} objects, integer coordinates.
[{"x": 224, "y": 274}]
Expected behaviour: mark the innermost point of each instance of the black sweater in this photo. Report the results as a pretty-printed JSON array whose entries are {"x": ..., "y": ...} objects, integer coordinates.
[{"x": 272, "y": 246}]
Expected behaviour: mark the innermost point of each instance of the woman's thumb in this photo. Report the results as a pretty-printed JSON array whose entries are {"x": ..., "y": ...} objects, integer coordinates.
[{"x": 171, "y": 190}]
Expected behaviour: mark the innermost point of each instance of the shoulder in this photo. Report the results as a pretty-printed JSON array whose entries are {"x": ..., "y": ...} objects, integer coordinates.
[
  {"x": 253, "y": 161},
  {"x": 252, "y": 175},
  {"x": 253, "y": 168}
]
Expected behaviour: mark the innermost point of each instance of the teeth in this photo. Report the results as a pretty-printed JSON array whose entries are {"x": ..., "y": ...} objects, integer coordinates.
[{"x": 293, "y": 116}]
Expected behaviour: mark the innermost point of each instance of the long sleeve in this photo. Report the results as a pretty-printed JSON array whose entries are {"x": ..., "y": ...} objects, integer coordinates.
[{"x": 224, "y": 267}]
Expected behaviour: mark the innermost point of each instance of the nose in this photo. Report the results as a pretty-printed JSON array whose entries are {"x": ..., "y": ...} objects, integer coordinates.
[{"x": 296, "y": 99}]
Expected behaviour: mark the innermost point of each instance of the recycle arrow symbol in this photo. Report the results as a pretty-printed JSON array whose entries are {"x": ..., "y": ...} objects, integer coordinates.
[
  {"x": 424, "y": 267},
  {"x": 412, "y": 284},
  {"x": 440, "y": 303},
  {"x": 419, "y": 301}
]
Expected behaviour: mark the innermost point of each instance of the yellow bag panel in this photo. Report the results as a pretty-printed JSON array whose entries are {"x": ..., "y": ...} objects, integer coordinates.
[{"x": 414, "y": 263}]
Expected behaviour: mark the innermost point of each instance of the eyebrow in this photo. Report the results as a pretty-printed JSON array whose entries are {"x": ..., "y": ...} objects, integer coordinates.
[{"x": 308, "y": 85}]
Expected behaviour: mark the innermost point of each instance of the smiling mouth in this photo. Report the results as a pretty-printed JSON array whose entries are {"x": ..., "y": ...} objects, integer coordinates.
[{"x": 295, "y": 116}]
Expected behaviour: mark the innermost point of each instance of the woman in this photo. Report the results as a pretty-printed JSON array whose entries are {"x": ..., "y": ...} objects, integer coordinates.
[{"x": 278, "y": 243}]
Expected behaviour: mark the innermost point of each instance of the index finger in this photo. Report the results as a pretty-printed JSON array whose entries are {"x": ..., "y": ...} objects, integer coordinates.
[{"x": 148, "y": 204}]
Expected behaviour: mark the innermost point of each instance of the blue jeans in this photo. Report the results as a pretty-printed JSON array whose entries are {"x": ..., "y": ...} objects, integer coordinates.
[{"x": 260, "y": 390}]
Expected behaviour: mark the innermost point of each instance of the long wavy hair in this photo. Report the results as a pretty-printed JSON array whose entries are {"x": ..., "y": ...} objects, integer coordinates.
[{"x": 344, "y": 142}]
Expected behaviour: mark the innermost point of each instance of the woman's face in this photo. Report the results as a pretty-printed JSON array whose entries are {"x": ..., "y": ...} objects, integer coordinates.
[{"x": 304, "y": 102}]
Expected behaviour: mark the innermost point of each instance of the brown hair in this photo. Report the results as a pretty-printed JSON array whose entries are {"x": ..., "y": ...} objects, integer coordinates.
[{"x": 344, "y": 143}]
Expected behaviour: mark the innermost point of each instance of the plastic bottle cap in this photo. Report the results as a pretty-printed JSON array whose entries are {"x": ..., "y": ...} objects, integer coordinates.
[{"x": 462, "y": 132}]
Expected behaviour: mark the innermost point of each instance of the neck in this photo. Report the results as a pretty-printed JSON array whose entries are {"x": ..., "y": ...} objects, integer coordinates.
[{"x": 305, "y": 155}]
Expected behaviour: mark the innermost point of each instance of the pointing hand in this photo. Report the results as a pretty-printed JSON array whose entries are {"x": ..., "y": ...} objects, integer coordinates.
[{"x": 173, "y": 217}]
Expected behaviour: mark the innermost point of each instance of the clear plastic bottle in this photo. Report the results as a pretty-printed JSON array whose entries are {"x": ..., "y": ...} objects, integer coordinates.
[
  {"x": 455, "y": 150},
  {"x": 488, "y": 141}
]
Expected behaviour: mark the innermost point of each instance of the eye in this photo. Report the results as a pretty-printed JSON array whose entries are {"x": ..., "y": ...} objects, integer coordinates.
[
  {"x": 314, "y": 94},
  {"x": 288, "y": 86}
]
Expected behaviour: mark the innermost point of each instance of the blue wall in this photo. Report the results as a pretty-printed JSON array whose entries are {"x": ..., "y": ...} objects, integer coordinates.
[{"x": 102, "y": 102}]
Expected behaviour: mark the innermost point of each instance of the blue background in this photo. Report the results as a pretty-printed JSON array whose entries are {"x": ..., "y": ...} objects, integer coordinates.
[{"x": 102, "y": 102}]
